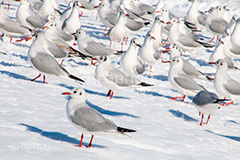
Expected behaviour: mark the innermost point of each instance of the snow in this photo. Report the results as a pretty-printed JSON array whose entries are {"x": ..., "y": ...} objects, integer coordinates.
[{"x": 34, "y": 124}]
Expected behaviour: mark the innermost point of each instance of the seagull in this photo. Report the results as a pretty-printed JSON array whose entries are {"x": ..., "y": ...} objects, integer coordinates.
[
  {"x": 72, "y": 23},
  {"x": 138, "y": 8},
  {"x": 10, "y": 27},
  {"x": 147, "y": 52},
  {"x": 224, "y": 84},
  {"x": 56, "y": 42},
  {"x": 159, "y": 6},
  {"x": 44, "y": 62},
  {"x": 156, "y": 31},
  {"x": 90, "y": 47},
  {"x": 87, "y": 119},
  {"x": 65, "y": 14},
  {"x": 130, "y": 63},
  {"x": 27, "y": 17},
  {"x": 106, "y": 14},
  {"x": 48, "y": 8},
  {"x": 181, "y": 81},
  {"x": 217, "y": 20},
  {"x": 235, "y": 33},
  {"x": 114, "y": 79},
  {"x": 119, "y": 30},
  {"x": 207, "y": 103},
  {"x": 195, "y": 17},
  {"x": 187, "y": 41},
  {"x": 231, "y": 25}
]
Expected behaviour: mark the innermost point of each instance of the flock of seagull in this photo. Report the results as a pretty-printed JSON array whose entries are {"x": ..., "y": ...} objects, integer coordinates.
[{"x": 58, "y": 35}]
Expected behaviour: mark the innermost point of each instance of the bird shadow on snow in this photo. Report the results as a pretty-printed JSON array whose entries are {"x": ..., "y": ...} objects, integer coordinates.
[
  {"x": 235, "y": 138},
  {"x": 182, "y": 115},
  {"x": 14, "y": 75},
  {"x": 57, "y": 136}
]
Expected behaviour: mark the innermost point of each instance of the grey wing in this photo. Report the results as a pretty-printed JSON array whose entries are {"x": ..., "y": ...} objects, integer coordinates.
[
  {"x": 96, "y": 49},
  {"x": 235, "y": 49},
  {"x": 201, "y": 18},
  {"x": 205, "y": 97},
  {"x": 218, "y": 26},
  {"x": 121, "y": 79},
  {"x": 111, "y": 18},
  {"x": 92, "y": 120},
  {"x": 140, "y": 68},
  {"x": 187, "y": 83},
  {"x": 47, "y": 64},
  {"x": 147, "y": 8},
  {"x": 64, "y": 36},
  {"x": 232, "y": 87},
  {"x": 57, "y": 51},
  {"x": 189, "y": 69},
  {"x": 35, "y": 21},
  {"x": 133, "y": 25},
  {"x": 188, "y": 41},
  {"x": 156, "y": 55},
  {"x": 12, "y": 26}
]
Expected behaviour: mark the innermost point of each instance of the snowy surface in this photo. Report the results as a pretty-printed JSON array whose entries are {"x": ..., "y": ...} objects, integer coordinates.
[{"x": 33, "y": 122}]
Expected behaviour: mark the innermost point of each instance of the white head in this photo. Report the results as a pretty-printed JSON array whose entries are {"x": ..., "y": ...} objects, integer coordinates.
[
  {"x": 78, "y": 94},
  {"x": 80, "y": 33}
]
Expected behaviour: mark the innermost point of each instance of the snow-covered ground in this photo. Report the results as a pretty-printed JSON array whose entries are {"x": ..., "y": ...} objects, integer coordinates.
[{"x": 33, "y": 122}]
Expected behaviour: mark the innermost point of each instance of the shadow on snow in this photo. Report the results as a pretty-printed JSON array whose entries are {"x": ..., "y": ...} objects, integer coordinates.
[
  {"x": 235, "y": 138},
  {"x": 57, "y": 136},
  {"x": 182, "y": 115}
]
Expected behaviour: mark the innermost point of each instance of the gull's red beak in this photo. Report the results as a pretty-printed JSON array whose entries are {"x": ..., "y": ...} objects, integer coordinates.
[
  {"x": 66, "y": 93},
  {"x": 212, "y": 62},
  {"x": 138, "y": 45}
]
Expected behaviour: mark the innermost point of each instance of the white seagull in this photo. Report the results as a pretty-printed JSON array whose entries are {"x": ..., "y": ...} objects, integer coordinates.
[
  {"x": 224, "y": 84},
  {"x": 207, "y": 103},
  {"x": 42, "y": 60},
  {"x": 181, "y": 81},
  {"x": 130, "y": 62},
  {"x": 114, "y": 79},
  {"x": 87, "y": 119}
]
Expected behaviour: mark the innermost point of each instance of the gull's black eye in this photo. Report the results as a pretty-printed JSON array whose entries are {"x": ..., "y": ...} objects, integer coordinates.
[
  {"x": 80, "y": 93},
  {"x": 74, "y": 91}
]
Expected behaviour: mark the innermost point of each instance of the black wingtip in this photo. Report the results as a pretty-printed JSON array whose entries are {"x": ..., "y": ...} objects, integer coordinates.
[
  {"x": 145, "y": 84},
  {"x": 210, "y": 79},
  {"x": 75, "y": 78},
  {"x": 120, "y": 129}
]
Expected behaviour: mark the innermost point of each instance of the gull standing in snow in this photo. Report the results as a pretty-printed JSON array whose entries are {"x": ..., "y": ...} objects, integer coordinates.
[
  {"x": 224, "y": 84},
  {"x": 10, "y": 27},
  {"x": 119, "y": 31},
  {"x": 91, "y": 48},
  {"x": 158, "y": 8},
  {"x": 156, "y": 30},
  {"x": 27, "y": 17},
  {"x": 42, "y": 60},
  {"x": 147, "y": 52},
  {"x": 72, "y": 23},
  {"x": 235, "y": 33},
  {"x": 106, "y": 14},
  {"x": 191, "y": 71},
  {"x": 48, "y": 7},
  {"x": 65, "y": 14},
  {"x": 187, "y": 41},
  {"x": 217, "y": 20},
  {"x": 181, "y": 81},
  {"x": 56, "y": 42},
  {"x": 114, "y": 79},
  {"x": 87, "y": 119},
  {"x": 130, "y": 63},
  {"x": 207, "y": 103},
  {"x": 194, "y": 17}
]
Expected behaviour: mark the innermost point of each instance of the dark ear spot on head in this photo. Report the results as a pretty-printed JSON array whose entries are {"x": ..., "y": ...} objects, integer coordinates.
[{"x": 80, "y": 93}]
